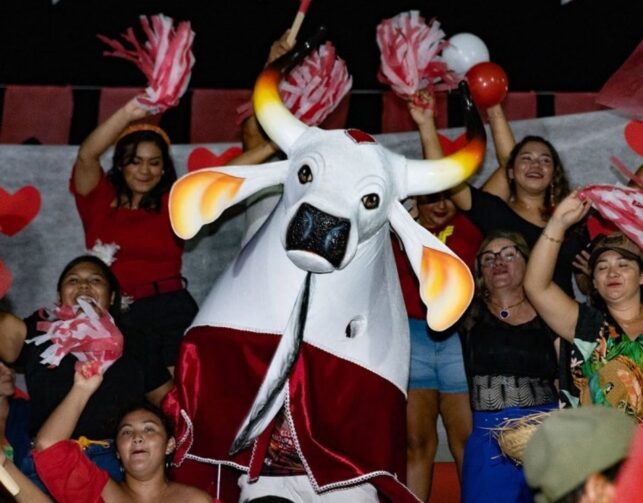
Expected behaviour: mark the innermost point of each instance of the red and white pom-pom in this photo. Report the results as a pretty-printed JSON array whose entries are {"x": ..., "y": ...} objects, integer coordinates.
[
  {"x": 410, "y": 56},
  {"x": 166, "y": 59},
  {"x": 85, "y": 331},
  {"x": 313, "y": 89},
  {"x": 623, "y": 206}
]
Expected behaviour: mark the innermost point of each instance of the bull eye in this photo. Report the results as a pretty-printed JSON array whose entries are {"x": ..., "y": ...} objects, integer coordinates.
[
  {"x": 304, "y": 174},
  {"x": 371, "y": 201}
]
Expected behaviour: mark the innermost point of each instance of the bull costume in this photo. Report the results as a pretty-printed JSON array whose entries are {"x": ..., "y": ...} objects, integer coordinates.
[{"x": 302, "y": 345}]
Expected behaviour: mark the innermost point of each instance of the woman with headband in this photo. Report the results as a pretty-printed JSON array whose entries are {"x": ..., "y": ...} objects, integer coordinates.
[{"x": 126, "y": 211}]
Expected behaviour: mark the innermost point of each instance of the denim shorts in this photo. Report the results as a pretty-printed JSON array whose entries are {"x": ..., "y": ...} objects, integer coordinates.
[{"x": 435, "y": 364}]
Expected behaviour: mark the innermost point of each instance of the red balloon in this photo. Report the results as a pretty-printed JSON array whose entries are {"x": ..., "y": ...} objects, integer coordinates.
[{"x": 488, "y": 83}]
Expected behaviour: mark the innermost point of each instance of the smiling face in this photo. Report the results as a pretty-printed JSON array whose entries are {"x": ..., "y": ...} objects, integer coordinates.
[
  {"x": 617, "y": 278},
  {"x": 435, "y": 210},
  {"x": 86, "y": 279},
  {"x": 144, "y": 171},
  {"x": 533, "y": 168},
  {"x": 501, "y": 265},
  {"x": 142, "y": 443}
]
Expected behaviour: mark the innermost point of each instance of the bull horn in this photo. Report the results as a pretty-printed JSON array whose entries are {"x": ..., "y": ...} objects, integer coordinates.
[
  {"x": 431, "y": 176},
  {"x": 280, "y": 125}
]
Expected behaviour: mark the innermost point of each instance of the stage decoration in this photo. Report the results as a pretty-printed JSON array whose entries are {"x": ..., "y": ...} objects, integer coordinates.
[
  {"x": 17, "y": 210},
  {"x": 634, "y": 136},
  {"x": 313, "y": 89},
  {"x": 5, "y": 279},
  {"x": 410, "y": 59},
  {"x": 623, "y": 90},
  {"x": 166, "y": 59},
  {"x": 202, "y": 157},
  {"x": 307, "y": 325},
  {"x": 488, "y": 83},
  {"x": 86, "y": 331},
  {"x": 464, "y": 51}
]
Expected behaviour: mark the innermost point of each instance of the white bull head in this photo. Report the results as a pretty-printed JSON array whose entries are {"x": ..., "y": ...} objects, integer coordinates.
[{"x": 341, "y": 189}]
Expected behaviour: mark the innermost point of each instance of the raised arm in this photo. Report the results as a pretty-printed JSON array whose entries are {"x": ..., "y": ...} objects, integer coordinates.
[
  {"x": 87, "y": 171},
  {"x": 28, "y": 492},
  {"x": 425, "y": 121},
  {"x": 503, "y": 141},
  {"x": 554, "y": 306},
  {"x": 257, "y": 147},
  {"x": 13, "y": 332},
  {"x": 62, "y": 421}
]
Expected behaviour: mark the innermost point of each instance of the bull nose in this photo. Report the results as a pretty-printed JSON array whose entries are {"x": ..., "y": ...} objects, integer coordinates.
[{"x": 317, "y": 232}]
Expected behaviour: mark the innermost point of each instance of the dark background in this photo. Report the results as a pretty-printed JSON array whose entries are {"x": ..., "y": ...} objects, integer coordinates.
[{"x": 541, "y": 44}]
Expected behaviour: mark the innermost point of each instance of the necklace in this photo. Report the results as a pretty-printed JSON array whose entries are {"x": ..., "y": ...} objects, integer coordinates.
[{"x": 504, "y": 310}]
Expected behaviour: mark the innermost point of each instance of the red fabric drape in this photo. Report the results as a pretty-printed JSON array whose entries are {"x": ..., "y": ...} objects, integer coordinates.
[
  {"x": 575, "y": 103},
  {"x": 40, "y": 112},
  {"x": 396, "y": 117},
  {"x": 112, "y": 98}
]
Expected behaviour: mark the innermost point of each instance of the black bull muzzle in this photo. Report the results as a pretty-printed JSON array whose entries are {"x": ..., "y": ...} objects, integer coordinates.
[{"x": 317, "y": 232}]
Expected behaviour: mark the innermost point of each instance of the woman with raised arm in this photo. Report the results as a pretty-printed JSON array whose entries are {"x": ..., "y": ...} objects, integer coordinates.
[
  {"x": 437, "y": 382},
  {"x": 607, "y": 337},
  {"x": 144, "y": 444},
  {"x": 126, "y": 210},
  {"x": 126, "y": 381},
  {"x": 511, "y": 364}
]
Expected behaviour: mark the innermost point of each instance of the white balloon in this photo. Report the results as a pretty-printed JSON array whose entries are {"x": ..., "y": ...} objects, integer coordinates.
[{"x": 464, "y": 51}]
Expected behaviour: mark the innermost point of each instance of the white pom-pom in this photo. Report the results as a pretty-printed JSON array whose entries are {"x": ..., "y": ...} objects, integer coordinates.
[{"x": 104, "y": 251}]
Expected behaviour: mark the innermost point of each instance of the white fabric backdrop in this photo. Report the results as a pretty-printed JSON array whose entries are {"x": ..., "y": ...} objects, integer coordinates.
[{"x": 37, "y": 254}]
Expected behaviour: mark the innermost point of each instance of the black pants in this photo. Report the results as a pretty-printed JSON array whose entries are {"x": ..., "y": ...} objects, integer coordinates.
[{"x": 155, "y": 325}]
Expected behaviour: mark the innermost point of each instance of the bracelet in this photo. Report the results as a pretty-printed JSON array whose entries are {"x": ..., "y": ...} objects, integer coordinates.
[{"x": 549, "y": 238}]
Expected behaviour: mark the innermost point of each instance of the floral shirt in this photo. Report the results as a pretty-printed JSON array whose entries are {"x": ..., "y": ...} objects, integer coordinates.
[{"x": 607, "y": 366}]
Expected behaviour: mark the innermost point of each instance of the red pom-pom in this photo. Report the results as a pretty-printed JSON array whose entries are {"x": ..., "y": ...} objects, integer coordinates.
[
  {"x": 488, "y": 83},
  {"x": 410, "y": 55},
  {"x": 166, "y": 59}
]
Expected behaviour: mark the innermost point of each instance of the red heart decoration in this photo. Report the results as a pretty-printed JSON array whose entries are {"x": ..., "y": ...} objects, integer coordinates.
[
  {"x": 17, "y": 210},
  {"x": 450, "y": 146},
  {"x": 202, "y": 157},
  {"x": 5, "y": 279},
  {"x": 634, "y": 136}
]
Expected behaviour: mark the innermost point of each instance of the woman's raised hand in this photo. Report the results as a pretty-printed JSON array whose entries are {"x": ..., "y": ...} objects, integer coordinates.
[
  {"x": 88, "y": 376},
  {"x": 134, "y": 110},
  {"x": 570, "y": 210}
]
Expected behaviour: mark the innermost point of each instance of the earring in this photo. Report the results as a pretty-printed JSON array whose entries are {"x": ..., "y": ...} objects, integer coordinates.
[{"x": 552, "y": 203}]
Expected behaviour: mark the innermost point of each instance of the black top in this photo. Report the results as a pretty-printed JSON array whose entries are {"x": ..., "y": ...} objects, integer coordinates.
[
  {"x": 490, "y": 213},
  {"x": 124, "y": 383},
  {"x": 493, "y": 347}
]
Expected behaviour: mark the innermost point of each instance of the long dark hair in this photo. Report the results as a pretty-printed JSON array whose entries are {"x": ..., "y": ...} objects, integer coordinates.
[
  {"x": 559, "y": 186},
  {"x": 124, "y": 153},
  {"x": 114, "y": 286}
]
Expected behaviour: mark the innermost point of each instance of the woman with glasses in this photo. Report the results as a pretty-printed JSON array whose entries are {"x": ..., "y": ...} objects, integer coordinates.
[{"x": 511, "y": 365}]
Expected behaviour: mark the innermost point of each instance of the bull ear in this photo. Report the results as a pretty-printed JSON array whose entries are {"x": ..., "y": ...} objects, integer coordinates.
[
  {"x": 446, "y": 283},
  {"x": 200, "y": 197}
]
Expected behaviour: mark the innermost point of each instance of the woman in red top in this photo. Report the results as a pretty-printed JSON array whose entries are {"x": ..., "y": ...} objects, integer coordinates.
[
  {"x": 144, "y": 443},
  {"x": 126, "y": 211}
]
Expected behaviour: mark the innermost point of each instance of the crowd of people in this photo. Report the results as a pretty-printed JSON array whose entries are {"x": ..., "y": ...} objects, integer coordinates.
[{"x": 524, "y": 346}]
